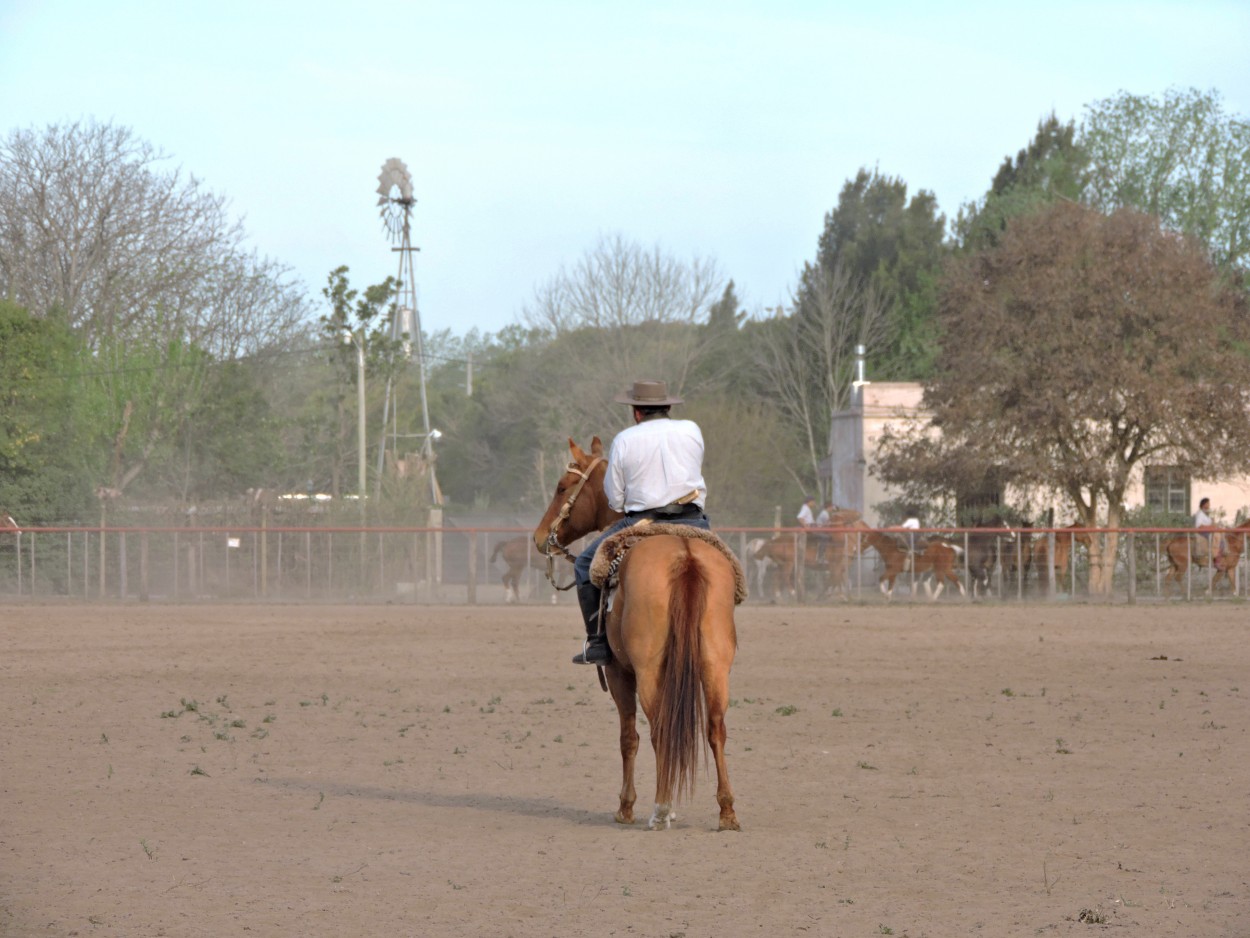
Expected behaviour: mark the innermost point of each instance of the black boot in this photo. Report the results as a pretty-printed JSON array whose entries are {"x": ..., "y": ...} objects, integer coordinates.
[{"x": 596, "y": 650}]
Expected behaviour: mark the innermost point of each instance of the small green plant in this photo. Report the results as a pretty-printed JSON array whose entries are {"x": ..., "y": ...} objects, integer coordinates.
[
  {"x": 864, "y": 765},
  {"x": 1007, "y": 692},
  {"x": 837, "y": 712},
  {"x": 148, "y": 850},
  {"x": 625, "y": 891},
  {"x": 884, "y": 930},
  {"x": 321, "y": 796},
  {"x": 787, "y": 710},
  {"x": 198, "y": 771},
  {"x": 1061, "y": 747},
  {"x": 104, "y": 739}
]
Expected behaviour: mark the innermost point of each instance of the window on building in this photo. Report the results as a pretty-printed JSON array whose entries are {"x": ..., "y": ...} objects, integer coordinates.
[{"x": 1167, "y": 490}]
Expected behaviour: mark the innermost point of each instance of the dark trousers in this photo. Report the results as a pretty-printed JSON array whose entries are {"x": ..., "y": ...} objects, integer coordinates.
[{"x": 581, "y": 566}]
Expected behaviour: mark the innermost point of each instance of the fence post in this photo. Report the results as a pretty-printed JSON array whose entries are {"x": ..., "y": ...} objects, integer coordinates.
[
  {"x": 123, "y": 586},
  {"x": 472, "y": 584},
  {"x": 264, "y": 553},
  {"x": 144, "y": 595},
  {"x": 193, "y": 570},
  {"x": 1132, "y": 568},
  {"x": 1050, "y": 564}
]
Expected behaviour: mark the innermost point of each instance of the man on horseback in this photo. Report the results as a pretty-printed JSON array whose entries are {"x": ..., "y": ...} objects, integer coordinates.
[
  {"x": 655, "y": 470},
  {"x": 1209, "y": 541}
]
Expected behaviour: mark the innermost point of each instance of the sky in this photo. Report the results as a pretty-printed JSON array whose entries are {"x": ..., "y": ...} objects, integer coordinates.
[{"x": 712, "y": 130}]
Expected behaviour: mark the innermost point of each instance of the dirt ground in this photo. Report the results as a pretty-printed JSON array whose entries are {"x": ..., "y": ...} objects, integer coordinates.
[{"x": 443, "y": 771}]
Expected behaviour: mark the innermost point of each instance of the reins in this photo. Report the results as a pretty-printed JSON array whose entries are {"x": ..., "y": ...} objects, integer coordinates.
[{"x": 553, "y": 544}]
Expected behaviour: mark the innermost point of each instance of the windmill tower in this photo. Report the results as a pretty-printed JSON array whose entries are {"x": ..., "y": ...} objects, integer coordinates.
[{"x": 395, "y": 201}]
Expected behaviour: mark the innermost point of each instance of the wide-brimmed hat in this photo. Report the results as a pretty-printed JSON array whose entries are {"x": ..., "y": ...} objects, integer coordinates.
[{"x": 648, "y": 394}]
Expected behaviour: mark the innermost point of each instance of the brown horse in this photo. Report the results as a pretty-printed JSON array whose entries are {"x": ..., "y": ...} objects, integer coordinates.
[
  {"x": 1061, "y": 562},
  {"x": 838, "y": 550},
  {"x": 671, "y": 630},
  {"x": 936, "y": 557},
  {"x": 517, "y": 553},
  {"x": 1185, "y": 550},
  {"x": 985, "y": 552}
]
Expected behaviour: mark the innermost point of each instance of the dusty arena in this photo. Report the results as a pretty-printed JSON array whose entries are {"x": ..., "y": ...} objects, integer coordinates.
[{"x": 314, "y": 770}]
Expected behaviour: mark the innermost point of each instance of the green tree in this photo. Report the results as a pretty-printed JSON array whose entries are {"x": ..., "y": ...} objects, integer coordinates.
[
  {"x": 1181, "y": 158},
  {"x": 355, "y": 320},
  {"x": 1082, "y": 347},
  {"x": 895, "y": 246},
  {"x": 1051, "y": 167},
  {"x": 43, "y": 471},
  {"x": 230, "y": 442}
]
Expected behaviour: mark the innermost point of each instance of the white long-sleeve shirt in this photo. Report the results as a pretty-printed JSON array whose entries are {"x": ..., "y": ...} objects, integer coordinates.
[{"x": 655, "y": 463}]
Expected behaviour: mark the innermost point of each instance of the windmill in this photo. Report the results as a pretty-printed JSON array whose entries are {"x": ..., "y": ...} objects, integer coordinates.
[{"x": 395, "y": 202}]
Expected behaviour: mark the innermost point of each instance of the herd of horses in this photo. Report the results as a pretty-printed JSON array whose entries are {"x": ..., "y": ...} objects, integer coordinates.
[{"x": 934, "y": 563}]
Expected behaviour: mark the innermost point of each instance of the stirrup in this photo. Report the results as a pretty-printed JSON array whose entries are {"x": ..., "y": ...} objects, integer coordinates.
[{"x": 594, "y": 652}]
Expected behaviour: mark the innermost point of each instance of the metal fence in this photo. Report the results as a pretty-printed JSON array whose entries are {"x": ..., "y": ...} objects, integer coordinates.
[{"x": 465, "y": 565}]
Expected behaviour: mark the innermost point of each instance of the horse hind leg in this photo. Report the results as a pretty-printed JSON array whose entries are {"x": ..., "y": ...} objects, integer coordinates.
[{"x": 716, "y": 695}]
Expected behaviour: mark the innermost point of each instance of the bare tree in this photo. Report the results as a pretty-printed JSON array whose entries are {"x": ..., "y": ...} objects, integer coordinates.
[
  {"x": 808, "y": 358},
  {"x": 622, "y": 312},
  {"x": 148, "y": 268}
]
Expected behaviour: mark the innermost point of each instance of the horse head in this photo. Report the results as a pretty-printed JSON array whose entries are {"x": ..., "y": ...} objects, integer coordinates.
[{"x": 579, "y": 505}]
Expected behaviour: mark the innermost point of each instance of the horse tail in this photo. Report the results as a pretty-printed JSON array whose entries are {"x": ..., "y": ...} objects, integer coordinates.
[
  {"x": 497, "y": 551},
  {"x": 680, "y": 719}
]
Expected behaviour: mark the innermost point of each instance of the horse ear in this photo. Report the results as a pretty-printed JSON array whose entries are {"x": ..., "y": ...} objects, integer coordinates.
[
  {"x": 596, "y": 447},
  {"x": 576, "y": 450}
]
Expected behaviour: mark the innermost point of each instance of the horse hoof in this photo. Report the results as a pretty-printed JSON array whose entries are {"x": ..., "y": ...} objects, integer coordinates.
[
  {"x": 656, "y": 821},
  {"x": 730, "y": 825}
]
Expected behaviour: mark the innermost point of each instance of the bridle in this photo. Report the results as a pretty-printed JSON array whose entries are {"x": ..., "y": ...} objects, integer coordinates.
[{"x": 553, "y": 545}]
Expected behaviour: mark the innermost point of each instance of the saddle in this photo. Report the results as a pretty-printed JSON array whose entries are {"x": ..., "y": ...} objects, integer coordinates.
[{"x": 612, "y": 551}]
